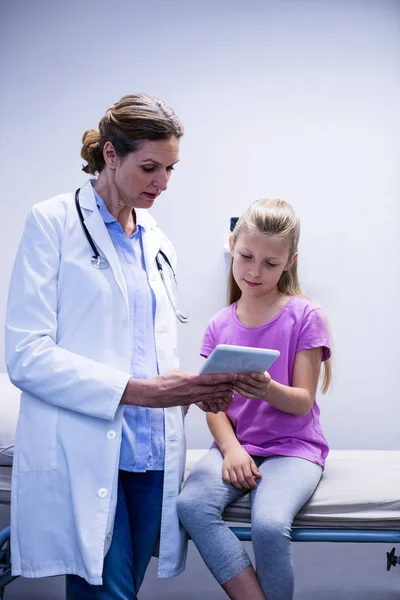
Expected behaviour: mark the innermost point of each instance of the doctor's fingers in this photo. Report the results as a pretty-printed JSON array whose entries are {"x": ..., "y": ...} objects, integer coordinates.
[
  {"x": 221, "y": 399},
  {"x": 217, "y": 389},
  {"x": 212, "y": 407},
  {"x": 215, "y": 379},
  {"x": 220, "y": 404}
]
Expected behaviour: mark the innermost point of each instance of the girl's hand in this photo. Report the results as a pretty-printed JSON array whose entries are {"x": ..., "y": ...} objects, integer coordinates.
[
  {"x": 253, "y": 386},
  {"x": 239, "y": 469}
]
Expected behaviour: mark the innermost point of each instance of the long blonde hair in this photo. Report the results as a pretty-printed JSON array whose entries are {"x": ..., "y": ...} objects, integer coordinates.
[{"x": 274, "y": 217}]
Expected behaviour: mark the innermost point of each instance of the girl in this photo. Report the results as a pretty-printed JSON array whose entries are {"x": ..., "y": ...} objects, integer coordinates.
[{"x": 269, "y": 441}]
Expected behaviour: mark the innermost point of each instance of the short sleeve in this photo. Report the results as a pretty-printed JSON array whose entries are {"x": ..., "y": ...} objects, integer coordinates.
[
  {"x": 314, "y": 333},
  {"x": 209, "y": 340}
]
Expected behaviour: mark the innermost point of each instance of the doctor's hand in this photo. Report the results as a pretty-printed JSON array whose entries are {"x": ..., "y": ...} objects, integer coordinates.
[
  {"x": 253, "y": 386},
  {"x": 180, "y": 388},
  {"x": 216, "y": 407}
]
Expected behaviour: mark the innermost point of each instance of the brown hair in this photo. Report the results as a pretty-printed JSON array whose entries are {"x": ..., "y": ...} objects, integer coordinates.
[
  {"x": 274, "y": 217},
  {"x": 126, "y": 124}
]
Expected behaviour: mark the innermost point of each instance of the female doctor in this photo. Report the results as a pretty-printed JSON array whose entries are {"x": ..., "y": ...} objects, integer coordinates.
[{"x": 91, "y": 342}]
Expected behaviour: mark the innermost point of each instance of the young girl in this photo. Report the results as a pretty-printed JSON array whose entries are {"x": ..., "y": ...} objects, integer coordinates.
[{"x": 269, "y": 441}]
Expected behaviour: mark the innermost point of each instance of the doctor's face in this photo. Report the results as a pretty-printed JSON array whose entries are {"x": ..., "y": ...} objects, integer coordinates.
[{"x": 142, "y": 175}]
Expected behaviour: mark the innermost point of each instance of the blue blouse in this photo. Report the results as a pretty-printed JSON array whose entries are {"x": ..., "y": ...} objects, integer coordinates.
[{"x": 143, "y": 443}]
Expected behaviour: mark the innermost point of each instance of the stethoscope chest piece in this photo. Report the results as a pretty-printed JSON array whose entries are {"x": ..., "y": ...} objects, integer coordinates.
[{"x": 99, "y": 262}]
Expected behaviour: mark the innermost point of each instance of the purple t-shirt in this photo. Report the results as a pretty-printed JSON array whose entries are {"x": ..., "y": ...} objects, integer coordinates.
[{"x": 261, "y": 429}]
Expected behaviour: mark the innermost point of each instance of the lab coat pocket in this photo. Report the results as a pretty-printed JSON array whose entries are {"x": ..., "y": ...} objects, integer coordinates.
[{"x": 37, "y": 430}]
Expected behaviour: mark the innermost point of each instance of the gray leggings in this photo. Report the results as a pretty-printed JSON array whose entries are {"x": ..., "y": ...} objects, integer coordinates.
[{"x": 286, "y": 484}]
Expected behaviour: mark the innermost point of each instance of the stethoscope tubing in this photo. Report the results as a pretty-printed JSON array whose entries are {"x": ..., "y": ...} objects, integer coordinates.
[{"x": 100, "y": 262}]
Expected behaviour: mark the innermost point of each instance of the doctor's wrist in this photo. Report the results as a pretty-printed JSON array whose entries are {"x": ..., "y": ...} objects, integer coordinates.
[{"x": 135, "y": 394}]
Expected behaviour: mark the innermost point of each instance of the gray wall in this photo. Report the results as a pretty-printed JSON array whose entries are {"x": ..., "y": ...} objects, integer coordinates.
[{"x": 297, "y": 99}]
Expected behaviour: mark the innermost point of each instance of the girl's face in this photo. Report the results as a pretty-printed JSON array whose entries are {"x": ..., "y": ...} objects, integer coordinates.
[{"x": 259, "y": 261}]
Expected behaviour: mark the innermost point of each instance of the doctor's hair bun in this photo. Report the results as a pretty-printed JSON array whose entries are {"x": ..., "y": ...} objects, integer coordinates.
[
  {"x": 91, "y": 152},
  {"x": 128, "y": 123}
]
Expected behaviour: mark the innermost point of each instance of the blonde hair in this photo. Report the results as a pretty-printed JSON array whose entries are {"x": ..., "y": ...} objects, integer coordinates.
[
  {"x": 274, "y": 217},
  {"x": 127, "y": 123}
]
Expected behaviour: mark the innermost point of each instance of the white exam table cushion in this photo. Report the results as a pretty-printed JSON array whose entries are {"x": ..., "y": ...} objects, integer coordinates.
[{"x": 359, "y": 489}]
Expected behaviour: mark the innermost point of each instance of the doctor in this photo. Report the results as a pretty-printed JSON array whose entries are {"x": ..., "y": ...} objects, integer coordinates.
[{"x": 91, "y": 342}]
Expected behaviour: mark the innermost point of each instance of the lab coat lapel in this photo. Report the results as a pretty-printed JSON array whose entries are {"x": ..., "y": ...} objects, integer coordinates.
[
  {"x": 100, "y": 236},
  {"x": 152, "y": 238}
]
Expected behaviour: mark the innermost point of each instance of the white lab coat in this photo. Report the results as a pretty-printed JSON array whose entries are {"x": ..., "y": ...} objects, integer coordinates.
[{"x": 68, "y": 349}]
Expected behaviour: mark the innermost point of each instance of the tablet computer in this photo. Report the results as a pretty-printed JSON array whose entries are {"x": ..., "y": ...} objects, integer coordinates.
[{"x": 239, "y": 359}]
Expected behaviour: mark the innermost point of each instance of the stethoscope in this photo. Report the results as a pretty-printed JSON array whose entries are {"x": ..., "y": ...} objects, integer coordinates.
[{"x": 100, "y": 262}]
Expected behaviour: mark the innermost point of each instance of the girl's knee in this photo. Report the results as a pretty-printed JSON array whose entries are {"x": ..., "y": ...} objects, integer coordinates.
[
  {"x": 190, "y": 502},
  {"x": 271, "y": 530},
  {"x": 185, "y": 505},
  {"x": 196, "y": 509}
]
